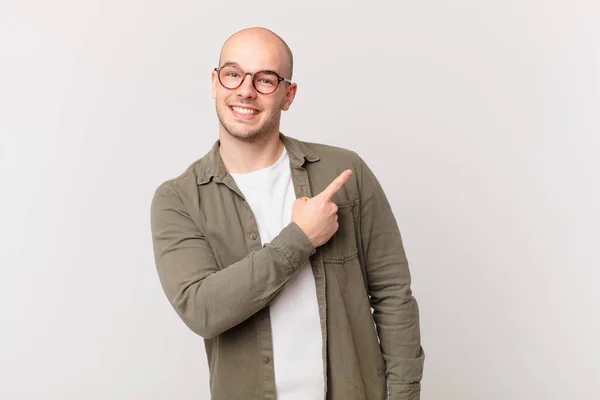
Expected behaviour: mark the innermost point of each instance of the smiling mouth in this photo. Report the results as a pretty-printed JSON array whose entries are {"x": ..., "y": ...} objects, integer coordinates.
[{"x": 244, "y": 111}]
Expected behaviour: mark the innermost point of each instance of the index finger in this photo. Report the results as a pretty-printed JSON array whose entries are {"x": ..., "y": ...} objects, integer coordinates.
[{"x": 336, "y": 185}]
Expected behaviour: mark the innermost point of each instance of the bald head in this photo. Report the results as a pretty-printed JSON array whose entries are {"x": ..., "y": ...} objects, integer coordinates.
[{"x": 264, "y": 44}]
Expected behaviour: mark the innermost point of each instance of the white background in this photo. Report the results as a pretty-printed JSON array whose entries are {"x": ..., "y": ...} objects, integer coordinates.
[{"x": 481, "y": 119}]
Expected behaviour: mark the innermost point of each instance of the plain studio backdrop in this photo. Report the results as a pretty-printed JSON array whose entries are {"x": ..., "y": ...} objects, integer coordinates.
[{"x": 480, "y": 118}]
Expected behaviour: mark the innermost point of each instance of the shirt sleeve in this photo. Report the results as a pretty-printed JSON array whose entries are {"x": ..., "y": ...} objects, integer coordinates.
[
  {"x": 395, "y": 310},
  {"x": 210, "y": 299}
]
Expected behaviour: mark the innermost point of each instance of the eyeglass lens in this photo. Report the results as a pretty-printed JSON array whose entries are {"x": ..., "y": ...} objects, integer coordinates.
[{"x": 265, "y": 82}]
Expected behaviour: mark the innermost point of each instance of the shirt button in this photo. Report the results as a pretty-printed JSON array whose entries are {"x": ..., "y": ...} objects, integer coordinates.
[
  {"x": 253, "y": 236},
  {"x": 266, "y": 360}
]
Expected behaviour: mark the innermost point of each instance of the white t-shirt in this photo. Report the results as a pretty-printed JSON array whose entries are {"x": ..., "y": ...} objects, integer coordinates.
[{"x": 295, "y": 322}]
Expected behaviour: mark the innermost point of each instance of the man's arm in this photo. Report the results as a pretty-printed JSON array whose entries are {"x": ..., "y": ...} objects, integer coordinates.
[
  {"x": 395, "y": 313},
  {"x": 208, "y": 299}
]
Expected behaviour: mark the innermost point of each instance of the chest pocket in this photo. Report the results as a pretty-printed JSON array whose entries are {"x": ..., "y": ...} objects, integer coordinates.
[{"x": 342, "y": 246}]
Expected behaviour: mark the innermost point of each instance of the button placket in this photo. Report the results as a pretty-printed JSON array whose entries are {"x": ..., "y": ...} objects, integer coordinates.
[
  {"x": 302, "y": 188},
  {"x": 265, "y": 339}
]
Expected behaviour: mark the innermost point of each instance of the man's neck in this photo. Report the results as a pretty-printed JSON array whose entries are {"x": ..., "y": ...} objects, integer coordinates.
[{"x": 243, "y": 157}]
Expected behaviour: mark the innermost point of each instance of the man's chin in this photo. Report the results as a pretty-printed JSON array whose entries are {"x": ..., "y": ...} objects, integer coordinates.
[{"x": 247, "y": 136}]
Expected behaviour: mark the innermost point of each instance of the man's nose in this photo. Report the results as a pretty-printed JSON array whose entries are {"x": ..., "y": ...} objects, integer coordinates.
[{"x": 246, "y": 89}]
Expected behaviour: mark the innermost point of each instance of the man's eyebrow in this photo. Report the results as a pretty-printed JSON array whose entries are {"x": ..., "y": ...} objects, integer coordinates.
[{"x": 229, "y": 63}]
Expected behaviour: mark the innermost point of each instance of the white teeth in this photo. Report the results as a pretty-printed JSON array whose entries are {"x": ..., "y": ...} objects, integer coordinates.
[{"x": 244, "y": 111}]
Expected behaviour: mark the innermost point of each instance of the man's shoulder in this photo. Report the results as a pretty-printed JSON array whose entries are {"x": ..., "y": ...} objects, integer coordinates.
[
  {"x": 329, "y": 152},
  {"x": 187, "y": 178},
  {"x": 330, "y": 149}
]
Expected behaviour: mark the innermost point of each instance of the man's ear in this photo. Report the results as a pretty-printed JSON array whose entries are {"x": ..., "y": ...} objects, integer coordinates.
[
  {"x": 215, "y": 83},
  {"x": 289, "y": 97}
]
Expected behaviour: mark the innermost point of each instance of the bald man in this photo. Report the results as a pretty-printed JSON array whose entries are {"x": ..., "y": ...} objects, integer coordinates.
[{"x": 285, "y": 255}]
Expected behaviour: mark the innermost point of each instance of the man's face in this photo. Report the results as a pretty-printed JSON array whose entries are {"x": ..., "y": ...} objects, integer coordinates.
[{"x": 245, "y": 113}]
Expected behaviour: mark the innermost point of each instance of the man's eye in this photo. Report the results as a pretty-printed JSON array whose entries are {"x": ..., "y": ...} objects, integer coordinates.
[
  {"x": 233, "y": 74},
  {"x": 266, "y": 81}
]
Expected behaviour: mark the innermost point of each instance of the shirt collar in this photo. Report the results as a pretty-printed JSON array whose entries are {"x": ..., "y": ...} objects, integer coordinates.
[{"x": 212, "y": 166}]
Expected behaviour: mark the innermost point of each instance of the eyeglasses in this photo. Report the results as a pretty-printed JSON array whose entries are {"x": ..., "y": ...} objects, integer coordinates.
[{"x": 265, "y": 82}]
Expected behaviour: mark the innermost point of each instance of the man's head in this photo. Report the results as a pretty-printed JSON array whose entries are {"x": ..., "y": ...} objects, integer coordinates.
[{"x": 244, "y": 112}]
